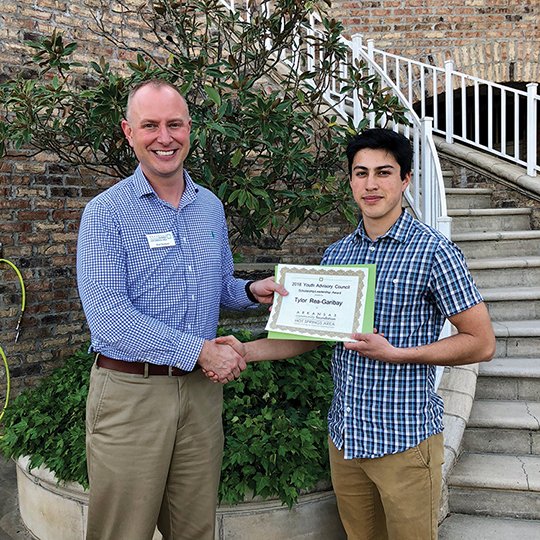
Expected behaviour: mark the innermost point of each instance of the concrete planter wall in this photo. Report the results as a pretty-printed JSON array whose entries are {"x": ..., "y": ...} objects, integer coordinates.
[{"x": 58, "y": 512}]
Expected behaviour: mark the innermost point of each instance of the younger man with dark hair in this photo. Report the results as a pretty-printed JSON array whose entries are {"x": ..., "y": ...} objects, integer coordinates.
[{"x": 385, "y": 422}]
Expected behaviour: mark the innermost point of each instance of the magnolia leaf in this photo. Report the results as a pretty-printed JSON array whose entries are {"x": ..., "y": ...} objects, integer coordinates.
[{"x": 213, "y": 94}]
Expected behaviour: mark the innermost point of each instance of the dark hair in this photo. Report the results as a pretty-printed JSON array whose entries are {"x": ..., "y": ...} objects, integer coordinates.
[{"x": 385, "y": 139}]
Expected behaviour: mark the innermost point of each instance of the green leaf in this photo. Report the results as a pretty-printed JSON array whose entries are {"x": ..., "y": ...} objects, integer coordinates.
[
  {"x": 237, "y": 156},
  {"x": 213, "y": 94}
]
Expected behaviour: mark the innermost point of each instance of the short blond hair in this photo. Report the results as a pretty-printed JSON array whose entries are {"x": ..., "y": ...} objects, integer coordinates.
[{"x": 157, "y": 83}]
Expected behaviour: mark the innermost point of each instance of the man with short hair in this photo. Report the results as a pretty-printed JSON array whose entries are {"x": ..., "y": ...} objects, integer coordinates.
[
  {"x": 385, "y": 420},
  {"x": 154, "y": 266}
]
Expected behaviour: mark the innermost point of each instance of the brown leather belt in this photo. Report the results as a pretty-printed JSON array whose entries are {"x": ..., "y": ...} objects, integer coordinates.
[{"x": 140, "y": 368}]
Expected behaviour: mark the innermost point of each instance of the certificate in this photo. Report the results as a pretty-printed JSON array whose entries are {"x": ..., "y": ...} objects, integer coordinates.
[{"x": 324, "y": 302}]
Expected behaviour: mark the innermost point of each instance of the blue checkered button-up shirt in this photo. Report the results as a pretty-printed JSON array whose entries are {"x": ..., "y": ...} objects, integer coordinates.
[
  {"x": 148, "y": 295},
  {"x": 380, "y": 408}
]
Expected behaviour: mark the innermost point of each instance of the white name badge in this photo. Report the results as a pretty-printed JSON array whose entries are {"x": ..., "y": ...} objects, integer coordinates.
[{"x": 159, "y": 240}]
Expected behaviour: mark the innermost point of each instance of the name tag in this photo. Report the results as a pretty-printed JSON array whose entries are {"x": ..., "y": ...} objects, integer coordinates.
[{"x": 159, "y": 240}]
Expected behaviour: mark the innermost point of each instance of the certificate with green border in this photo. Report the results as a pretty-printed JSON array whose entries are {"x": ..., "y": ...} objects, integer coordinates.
[{"x": 326, "y": 303}]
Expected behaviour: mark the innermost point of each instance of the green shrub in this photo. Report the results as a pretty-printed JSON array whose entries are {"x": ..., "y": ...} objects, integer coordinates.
[
  {"x": 46, "y": 422},
  {"x": 275, "y": 428},
  {"x": 274, "y": 422}
]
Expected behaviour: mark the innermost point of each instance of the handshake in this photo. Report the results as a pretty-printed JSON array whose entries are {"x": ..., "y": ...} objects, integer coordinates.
[{"x": 223, "y": 358}]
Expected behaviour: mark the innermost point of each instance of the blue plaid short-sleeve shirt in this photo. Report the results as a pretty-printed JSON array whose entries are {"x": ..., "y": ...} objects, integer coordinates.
[{"x": 380, "y": 408}]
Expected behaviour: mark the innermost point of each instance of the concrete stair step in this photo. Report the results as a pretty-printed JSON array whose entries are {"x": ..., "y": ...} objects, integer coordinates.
[
  {"x": 509, "y": 378},
  {"x": 503, "y": 427},
  {"x": 490, "y": 220},
  {"x": 512, "y": 303},
  {"x": 513, "y": 414},
  {"x": 517, "y": 338},
  {"x": 528, "y": 368},
  {"x": 467, "y": 527},
  {"x": 497, "y": 485},
  {"x": 506, "y": 271},
  {"x": 468, "y": 197},
  {"x": 504, "y": 243}
]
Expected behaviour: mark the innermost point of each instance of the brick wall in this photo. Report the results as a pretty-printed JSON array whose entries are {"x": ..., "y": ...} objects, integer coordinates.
[
  {"x": 41, "y": 199},
  {"x": 497, "y": 40}
]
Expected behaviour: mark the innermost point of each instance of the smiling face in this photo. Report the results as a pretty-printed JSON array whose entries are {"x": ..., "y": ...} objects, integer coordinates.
[
  {"x": 157, "y": 127},
  {"x": 377, "y": 189}
]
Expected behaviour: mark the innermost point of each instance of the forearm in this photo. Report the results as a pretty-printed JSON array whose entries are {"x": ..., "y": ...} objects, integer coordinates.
[
  {"x": 474, "y": 342},
  {"x": 455, "y": 350},
  {"x": 277, "y": 349}
]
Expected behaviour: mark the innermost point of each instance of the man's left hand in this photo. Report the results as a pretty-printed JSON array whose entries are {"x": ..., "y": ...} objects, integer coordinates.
[
  {"x": 374, "y": 346},
  {"x": 263, "y": 290}
]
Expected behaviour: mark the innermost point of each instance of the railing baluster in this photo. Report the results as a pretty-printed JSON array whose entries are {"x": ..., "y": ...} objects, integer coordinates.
[
  {"x": 533, "y": 102},
  {"x": 435, "y": 101},
  {"x": 463, "y": 109},
  {"x": 516, "y": 126},
  {"x": 476, "y": 113},
  {"x": 503, "y": 121},
  {"x": 490, "y": 126},
  {"x": 449, "y": 100}
]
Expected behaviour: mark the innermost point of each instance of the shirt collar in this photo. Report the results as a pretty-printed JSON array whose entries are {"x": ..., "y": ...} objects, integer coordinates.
[
  {"x": 143, "y": 187},
  {"x": 398, "y": 231}
]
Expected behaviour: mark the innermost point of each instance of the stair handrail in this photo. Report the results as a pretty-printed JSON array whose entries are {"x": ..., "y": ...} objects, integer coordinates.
[{"x": 426, "y": 195}]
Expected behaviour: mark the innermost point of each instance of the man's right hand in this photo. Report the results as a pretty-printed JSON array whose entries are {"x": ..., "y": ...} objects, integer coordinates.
[{"x": 222, "y": 360}]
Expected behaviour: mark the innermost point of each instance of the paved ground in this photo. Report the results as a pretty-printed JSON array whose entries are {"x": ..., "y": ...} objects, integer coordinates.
[{"x": 11, "y": 527}]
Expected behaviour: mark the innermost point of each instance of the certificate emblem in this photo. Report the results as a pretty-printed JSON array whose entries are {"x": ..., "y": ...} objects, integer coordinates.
[{"x": 324, "y": 302}]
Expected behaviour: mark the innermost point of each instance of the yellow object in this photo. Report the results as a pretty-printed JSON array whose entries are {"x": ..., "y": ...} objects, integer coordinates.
[{"x": 17, "y": 329}]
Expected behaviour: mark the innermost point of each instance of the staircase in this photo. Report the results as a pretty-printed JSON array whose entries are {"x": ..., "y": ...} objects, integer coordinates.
[{"x": 494, "y": 489}]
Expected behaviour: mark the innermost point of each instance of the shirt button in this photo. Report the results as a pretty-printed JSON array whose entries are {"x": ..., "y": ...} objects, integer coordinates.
[
  {"x": 350, "y": 378},
  {"x": 371, "y": 248},
  {"x": 348, "y": 409},
  {"x": 189, "y": 267}
]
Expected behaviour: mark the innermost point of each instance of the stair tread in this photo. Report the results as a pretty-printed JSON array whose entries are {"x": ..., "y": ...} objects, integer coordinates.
[
  {"x": 511, "y": 367},
  {"x": 494, "y": 294},
  {"x": 488, "y": 211},
  {"x": 467, "y": 527},
  {"x": 497, "y": 471},
  {"x": 531, "y": 261},
  {"x": 495, "y": 235},
  {"x": 523, "y": 328},
  {"x": 464, "y": 191},
  {"x": 505, "y": 414}
]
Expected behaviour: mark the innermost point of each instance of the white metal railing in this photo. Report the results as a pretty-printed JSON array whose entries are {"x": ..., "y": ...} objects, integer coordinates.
[
  {"x": 426, "y": 195},
  {"x": 495, "y": 118}
]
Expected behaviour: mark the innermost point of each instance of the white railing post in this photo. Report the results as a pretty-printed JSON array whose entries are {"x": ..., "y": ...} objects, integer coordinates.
[
  {"x": 357, "y": 106},
  {"x": 371, "y": 56},
  {"x": 449, "y": 100},
  {"x": 532, "y": 119},
  {"x": 428, "y": 188}
]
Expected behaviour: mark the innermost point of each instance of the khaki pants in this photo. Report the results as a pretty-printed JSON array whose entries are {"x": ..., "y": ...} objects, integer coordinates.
[
  {"x": 395, "y": 497},
  {"x": 154, "y": 450}
]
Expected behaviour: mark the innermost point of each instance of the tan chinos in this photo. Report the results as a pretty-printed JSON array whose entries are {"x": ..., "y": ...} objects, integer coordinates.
[
  {"x": 394, "y": 497},
  {"x": 154, "y": 450}
]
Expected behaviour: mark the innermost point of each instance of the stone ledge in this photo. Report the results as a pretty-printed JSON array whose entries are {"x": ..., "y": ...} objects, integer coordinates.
[{"x": 53, "y": 511}]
